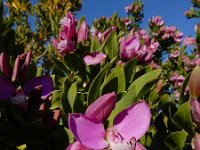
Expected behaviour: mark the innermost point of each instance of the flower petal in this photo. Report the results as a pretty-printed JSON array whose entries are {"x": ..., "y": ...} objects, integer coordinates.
[
  {"x": 77, "y": 146},
  {"x": 94, "y": 58},
  {"x": 82, "y": 33},
  {"x": 195, "y": 110},
  {"x": 7, "y": 89},
  {"x": 87, "y": 132},
  {"x": 139, "y": 146},
  {"x": 102, "y": 107},
  {"x": 44, "y": 81},
  {"x": 133, "y": 121}
]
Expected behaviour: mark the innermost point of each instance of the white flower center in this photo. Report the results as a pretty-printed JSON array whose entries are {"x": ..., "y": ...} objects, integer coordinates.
[{"x": 117, "y": 142}]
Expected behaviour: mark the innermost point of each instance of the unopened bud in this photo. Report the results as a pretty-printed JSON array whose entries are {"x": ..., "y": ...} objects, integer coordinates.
[{"x": 194, "y": 82}]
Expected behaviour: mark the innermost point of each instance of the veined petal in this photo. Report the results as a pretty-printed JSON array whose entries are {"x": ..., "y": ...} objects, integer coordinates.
[
  {"x": 77, "y": 146},
  {"x": 94, "y": 58},
  {"x": 44, "y": 81},
  {"x": 87, "y": 132},
  {"x": 133, "y": 121},
  {"x": 7, "y": 89},
  {"x": 102, "y": 107}
]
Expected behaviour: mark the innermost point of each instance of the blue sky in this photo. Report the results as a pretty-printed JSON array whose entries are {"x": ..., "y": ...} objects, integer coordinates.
[{"x": 172, "y": 12}]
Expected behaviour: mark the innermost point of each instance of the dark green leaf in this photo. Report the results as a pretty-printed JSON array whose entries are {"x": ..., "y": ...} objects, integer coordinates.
[
  {"x": 94, "y": 89},
  {"x": 176, "y": 140},
  {"x": 183, "y": 118},
  {"x": 118, "y": 86},
  {"x": 183, "y": 98}
]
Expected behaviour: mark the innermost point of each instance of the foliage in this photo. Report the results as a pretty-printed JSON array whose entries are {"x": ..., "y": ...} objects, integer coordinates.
[{"x": 55, "y": 69}]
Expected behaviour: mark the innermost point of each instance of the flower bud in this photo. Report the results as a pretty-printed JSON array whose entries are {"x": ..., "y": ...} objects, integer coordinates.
[
  {"x": 195, "y": 110},
  {"x": 194, "y": 82},
  {"x": 4, "y": 64},
  {"x": 82, "y": 34}
]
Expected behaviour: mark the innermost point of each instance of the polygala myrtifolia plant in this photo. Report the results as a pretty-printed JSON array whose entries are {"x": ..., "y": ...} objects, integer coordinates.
[{"x": 109, "y": 86}]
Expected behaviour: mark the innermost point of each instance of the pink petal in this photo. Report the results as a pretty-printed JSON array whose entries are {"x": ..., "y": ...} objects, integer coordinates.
[
  {"x": 77, "y": 146},
  {"x": 44, "y": 81},
  {"x": 195, "y": 110},
  {"x": 133, "y": 121},
  {"x": 102, "y": 107},
  {"x": 139, "y": 146},
  {"x": 82, "y": 33},
  {"x": 7, "y": 89},
  {"x": 94, "y": 58},
  {"x": 87, "y": 132},
  {"x": 196, "y": 141}
]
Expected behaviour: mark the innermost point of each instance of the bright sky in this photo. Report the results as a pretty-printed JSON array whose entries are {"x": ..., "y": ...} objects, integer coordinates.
[{"x": 172, "y": 12}]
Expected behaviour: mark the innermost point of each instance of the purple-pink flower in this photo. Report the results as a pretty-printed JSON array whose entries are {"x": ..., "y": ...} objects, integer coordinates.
[
  {"x": 156, "y": 21},
  {"x": 102, "y": 36},
  {"x": 189, "y": 41},
  {"x": 175, "y": 54},
  {"x": 19, "y": 96},
  {"x": 94, "y": 58},
  {"x": 68, "y": 25},
  {"x": 138, "y": 44},
  {"x": 128, "y": 126}
]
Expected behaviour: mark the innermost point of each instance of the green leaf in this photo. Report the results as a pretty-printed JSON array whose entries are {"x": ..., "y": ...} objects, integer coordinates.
[
  {"x": 64, "y": 97},
  {"x": 95, "y": 44},
  {"x": 112, "y": 45},
  {"x": 55, "y": 101},
  {"x": 118, "y": 86},
  {"x": 94, "y": 89},
  {"x": 60, "y": 65},
  {"x": 153, "y": 97},
  {"x": 129, "y": 69},
  {"x": 183, "y": 98},
  {"x": 72, "y": 95},
  {"x": 39, "y": 71},
  {"x": 22, "y": 147},
  {"x": 183, "y": 118},
  {"x": 176, "y": 140},
  {"x": 144, "y": 79},
  {"x": 165, "y": 102}
]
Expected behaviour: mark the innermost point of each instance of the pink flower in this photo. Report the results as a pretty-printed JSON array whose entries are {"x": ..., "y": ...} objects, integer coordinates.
[
  {"x": 68, "y": 24},
  {"x": 82, "y": 33},
  {"x": 175, "y": 54},
  {"x": 129, "y": 46},
  {"x": 138, "y": 44},
  {"x": 196, "y": 140},
  {"x": 156, "y": 21},
  {"x": 189, "y": 41},
  {"x": 128, "y": 127},
  {"x": 178, "y": 36},
  {"x": 21, "y": 65},
  {"x": 94, "y": 58},
  {"x": 102, "y": 36}
]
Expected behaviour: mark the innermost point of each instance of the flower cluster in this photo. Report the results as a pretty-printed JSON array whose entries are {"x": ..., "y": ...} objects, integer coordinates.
[
  {"x": 138, "y": 44},
  {"x": 69, "y": 36}
]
